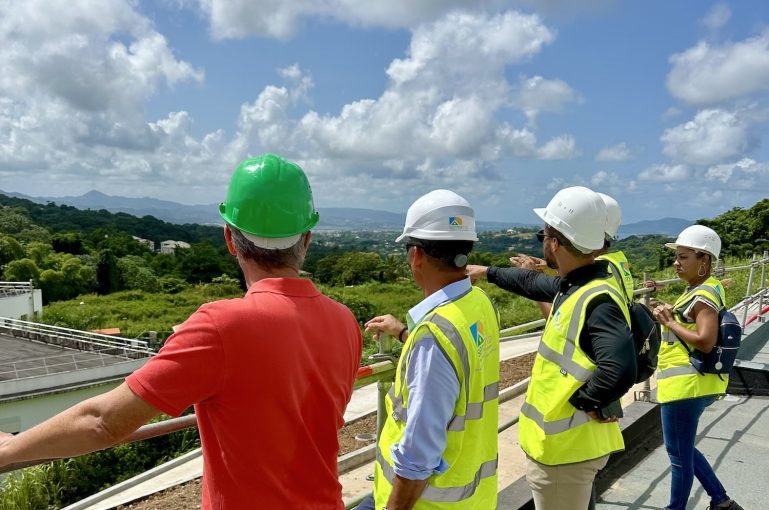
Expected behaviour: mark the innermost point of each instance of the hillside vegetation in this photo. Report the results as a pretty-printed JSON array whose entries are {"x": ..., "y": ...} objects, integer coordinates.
[{"x": 94, "y": 274}]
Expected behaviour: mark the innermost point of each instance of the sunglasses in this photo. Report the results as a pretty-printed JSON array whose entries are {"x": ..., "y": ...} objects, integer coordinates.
[{"x": 541, "y": 236}]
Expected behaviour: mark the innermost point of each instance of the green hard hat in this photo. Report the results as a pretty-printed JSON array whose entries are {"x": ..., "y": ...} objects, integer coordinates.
[{"x": 269, "y": 198}]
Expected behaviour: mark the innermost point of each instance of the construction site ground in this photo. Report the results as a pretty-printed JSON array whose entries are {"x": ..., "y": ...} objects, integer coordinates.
[{"x": 187, "y": 496}]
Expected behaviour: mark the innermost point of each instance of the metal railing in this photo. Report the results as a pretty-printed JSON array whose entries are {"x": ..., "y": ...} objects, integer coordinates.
[
  {"x": 383, "y": 370},
  {"x": 15, "y": 288},
  {"x": 84, "y": 348},
  {"x": 85, "y": 337},
  {"x": 58, "y": 363}
]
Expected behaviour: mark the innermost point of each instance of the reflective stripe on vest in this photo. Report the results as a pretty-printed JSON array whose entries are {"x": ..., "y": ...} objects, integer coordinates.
[
  {"x": 467, "y": 332},
  {"x": 474, "y": 410},
  {"x": 445, "y": 494},
  {"x": 674, "y": 371},
  {"x": 566, "y": 360},
  {"x": 551, "y": 430},
  {"x": 557, "y": 426},
  {"x": 677, "y": 379}
]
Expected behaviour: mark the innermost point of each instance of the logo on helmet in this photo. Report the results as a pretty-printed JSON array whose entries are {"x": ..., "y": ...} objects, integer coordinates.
[{"x": 455, "y": 221}]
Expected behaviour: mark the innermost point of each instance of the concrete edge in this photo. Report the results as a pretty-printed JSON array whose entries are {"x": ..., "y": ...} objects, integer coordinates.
[{"x": 132, "y": 482}]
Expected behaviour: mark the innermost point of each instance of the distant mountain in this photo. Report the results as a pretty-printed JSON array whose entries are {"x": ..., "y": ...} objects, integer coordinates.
[
  {"x": 331, "y": 218},
  {"x": 665, "y": 226}
]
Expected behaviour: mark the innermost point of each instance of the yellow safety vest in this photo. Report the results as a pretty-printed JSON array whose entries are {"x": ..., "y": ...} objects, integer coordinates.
[
  {"x": 677, "y": 379},
  {"x": 619, "y": 260},
  {"x": 467, "y": 330},
  {"x": 551, "y": 430}
]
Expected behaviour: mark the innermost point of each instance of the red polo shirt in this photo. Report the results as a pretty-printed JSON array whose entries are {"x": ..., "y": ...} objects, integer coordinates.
[{"x": 270, "y": 375}]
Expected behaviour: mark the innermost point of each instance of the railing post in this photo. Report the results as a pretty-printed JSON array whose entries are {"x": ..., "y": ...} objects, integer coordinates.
[
  {"x": 646, "y": 297},
  {"x": 720, "y": 270},
  {"x": 386, "y": 343},
  {"x": 749, "y": 290},
  {"x": 647, "y": 385},
  {"x": 31, "y": 300},
  {"x": 765, "y": 255}
]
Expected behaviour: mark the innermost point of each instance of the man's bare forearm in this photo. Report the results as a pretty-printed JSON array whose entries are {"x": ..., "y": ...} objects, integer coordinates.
[
  {"x": 94, "y": 424},
  {"x": 405, "y": 493}
]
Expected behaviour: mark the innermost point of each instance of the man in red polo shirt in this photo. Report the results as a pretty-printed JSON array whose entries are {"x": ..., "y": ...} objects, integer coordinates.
[{"x": 270, "y": 374}]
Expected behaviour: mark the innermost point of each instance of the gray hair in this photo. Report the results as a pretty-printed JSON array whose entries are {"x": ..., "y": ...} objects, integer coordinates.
[{"x": 292, "y": 256}]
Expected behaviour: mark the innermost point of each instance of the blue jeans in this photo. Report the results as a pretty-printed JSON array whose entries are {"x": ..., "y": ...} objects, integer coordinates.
[
  {"x": 366, "y": 504},
  {"x": 679, "y": 428}
]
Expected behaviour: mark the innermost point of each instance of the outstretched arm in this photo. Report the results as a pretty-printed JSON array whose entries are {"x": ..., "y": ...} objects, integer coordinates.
[{"x": 94, "y": 424}]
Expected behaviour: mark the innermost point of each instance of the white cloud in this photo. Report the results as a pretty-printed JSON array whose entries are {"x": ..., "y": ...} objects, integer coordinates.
[
  {"x": 93, "y": 56},
  {"x": 77, "y": 76},
  {"x": 707, "y": 74},
  {"x": 282, "y": 19},
  {"x": 537, "y": 94},
  {"x": 560, "y": 147},
  {"x": 441, "y": 99},
  {"x": 435, "y": 123},
  {"x": 717, "y": 16},
  {"x": 523, "y": 143},
  {"x": 743, "y": 174},
  {"x": 711, "y": 137},
  {"x": 618, "y": 152},
  {"x": 665, "y": 173},
  {"x": 603, "y": 180}
]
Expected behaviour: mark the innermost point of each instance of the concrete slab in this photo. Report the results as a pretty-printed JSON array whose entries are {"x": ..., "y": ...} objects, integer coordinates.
[{"x": 733, "y": 436}]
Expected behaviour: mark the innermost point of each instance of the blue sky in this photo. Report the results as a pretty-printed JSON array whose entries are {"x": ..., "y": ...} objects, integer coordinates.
[{"x": 663, "y": 105}]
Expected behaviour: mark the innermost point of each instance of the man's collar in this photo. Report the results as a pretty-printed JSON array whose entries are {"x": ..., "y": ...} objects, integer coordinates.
[
  {"x": 584, "y": 274},
  {"x": 448, "y": 293}
]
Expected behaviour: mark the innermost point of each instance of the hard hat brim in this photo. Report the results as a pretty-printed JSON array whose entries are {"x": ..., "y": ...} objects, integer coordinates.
[
  {"x": 272, "y": 243},
  {"x": 540, "y": 211},
  {"x": 673, "y": 246}
]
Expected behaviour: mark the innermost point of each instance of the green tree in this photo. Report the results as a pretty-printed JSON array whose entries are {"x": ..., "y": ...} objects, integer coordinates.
[
  {"x": 10, "y": 249},
  {"x": 107, "y": 274},
  {"x": 135, "y": 275},
  {"x": 357, "y": 267},
  {"x": 201, "y": 262},
  {"x": 69, "y": 242},
  {"x": 21, "y": 270},
  {"x": 38, "y": 252}
]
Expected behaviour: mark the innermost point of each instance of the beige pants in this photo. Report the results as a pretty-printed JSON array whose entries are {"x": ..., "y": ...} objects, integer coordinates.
[{"x": 564, "y": 487}]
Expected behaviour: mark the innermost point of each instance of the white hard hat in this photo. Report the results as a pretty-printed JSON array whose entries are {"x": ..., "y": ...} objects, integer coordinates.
[
  {"x": 440, "y": 215},
  {"x": 580, "y": 215},
  {"x": 698, "y": 238},
  {"x": 613, "y": 216}
]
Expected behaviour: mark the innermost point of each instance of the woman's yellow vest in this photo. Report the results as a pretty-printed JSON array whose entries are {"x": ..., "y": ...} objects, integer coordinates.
[
  {"x": 467, "y": 330},
  {"x": 619, "y": 260},
  {"x": 551, "y": 430},
  {"x": 677, "y": 379}
]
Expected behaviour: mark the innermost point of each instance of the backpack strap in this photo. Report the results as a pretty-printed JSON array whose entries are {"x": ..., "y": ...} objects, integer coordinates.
[{"x": 713, "y": 293}]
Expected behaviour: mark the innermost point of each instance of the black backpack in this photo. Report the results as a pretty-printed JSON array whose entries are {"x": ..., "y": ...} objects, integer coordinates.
[
  {"x": 646, "y": 333},
  {"x": 721, "y": 359}
]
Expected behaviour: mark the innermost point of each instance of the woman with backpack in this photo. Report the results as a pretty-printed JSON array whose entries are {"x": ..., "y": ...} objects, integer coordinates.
[{"x": 683, "y": 392}]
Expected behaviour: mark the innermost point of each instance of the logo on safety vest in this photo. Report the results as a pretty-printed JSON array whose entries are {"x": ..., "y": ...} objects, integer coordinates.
[
  {"x": 477, "y": 331},
  {"x": 455, "y": 221},
  {"x": 484, "y": 348},
  {"x": 623, "y": 266},
  {"x": 557, "y": 319}
]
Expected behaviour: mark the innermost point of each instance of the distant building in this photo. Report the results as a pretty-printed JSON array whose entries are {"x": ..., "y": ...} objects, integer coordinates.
[
  {"x": 169, "y": 247},
  {"x": 150, "y": 244}
]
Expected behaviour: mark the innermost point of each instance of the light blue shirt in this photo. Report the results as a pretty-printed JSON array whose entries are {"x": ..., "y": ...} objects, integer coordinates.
[{"x": 433, "y": 392}]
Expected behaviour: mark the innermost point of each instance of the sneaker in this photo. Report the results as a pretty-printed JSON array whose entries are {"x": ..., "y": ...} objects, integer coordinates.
[{"x": 733, "y": 505}]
